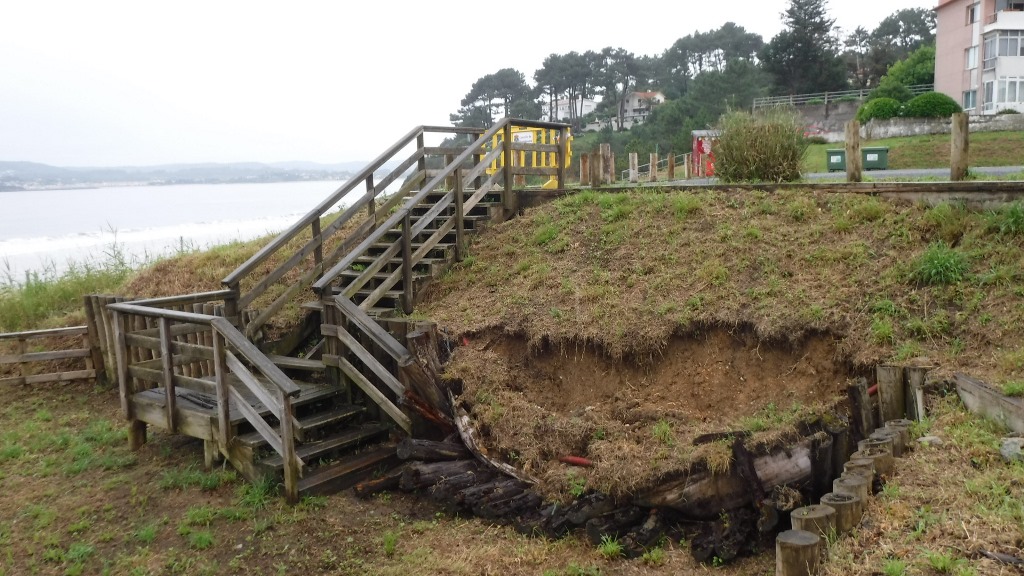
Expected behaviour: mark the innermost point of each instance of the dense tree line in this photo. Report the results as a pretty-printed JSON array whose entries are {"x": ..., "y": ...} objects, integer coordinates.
[{"x": 703, "y": 74}]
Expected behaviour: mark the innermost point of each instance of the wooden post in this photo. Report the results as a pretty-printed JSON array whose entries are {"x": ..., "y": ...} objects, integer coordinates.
[
  {"x": 852, "y": 484},
  {"x": 231, "y": 307},
  {"x": 797, "y": 553},
  {"x": 612, "y": 176},
  {"x": 167, "y": 362},
  {"x": 671, "y": 167},
  {"x": 848, "y": 510},
  {"x": 291, "y": 461},
  {"x": 460, "y": 224},
  {"x": 914, "y": 392},
  {"x": 884, "y": 462},
  {"x": 449, "y": 183},
  {"x": 893, "y": 436},
  {"x": 93, "y": 339},
  {"x": 891, "y": 401},
  {"x": 817, "y": 519},
  {"x": 863, "y": 467},
  {"x": 607, "y": 164},
  {"x": 959, "y": 147},
  {"x": 220, "y": 378},
  {"x": 854, "y": 163},
  {"x": 318, "y": 248},
  {"x": 634, "y": 167},
  {"x": 507, "y": 195},
  {"x": 584, "y": 169},
  {"x": 371, "y": 203},
  {"x": 597, "y": 169},
  {"x": 652, "y": 176},
  {"x": 407, "y": 297},
  {"x": 563, "y": 156},
  {"x": 840, "y": 433},
  {"x": 860, "y": 402}
]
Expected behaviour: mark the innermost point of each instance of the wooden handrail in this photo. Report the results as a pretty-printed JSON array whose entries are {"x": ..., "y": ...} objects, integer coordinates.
[
  {"x": 198, "y": 298},
  {"x": 297, "y": 228},
  {"x": 70, "y": 331}
]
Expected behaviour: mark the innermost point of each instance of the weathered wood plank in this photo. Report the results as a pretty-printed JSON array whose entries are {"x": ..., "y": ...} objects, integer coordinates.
[
  {"x": 252, "y": 384},
  {"x": 47, "y": 378},
  {"x": 983, "y": 399},
  {"x": 366, "y": 324},
  {"x": 70, "y": 331},
  {"x": 197, "y": 298},
  {"x": 241, "y": 405},
  {"x": 254, "y": 355},
  {"x": 156, "y": 376},
  {"x": 370, "y": 390},
  {"x": 366, "y": 358},
  {"x": 44, "y": 356}
]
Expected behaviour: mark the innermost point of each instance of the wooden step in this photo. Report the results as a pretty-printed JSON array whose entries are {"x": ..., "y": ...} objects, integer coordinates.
[
  {"x": 348, "y": 472},
  {"x": 310, "y": 422},
  {"x": 309, "y": 452},
  {"x": 318, "y": 306}
]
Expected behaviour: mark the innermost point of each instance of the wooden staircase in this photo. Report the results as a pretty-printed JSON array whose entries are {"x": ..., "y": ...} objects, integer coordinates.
[{"x": 195, "y": 364}]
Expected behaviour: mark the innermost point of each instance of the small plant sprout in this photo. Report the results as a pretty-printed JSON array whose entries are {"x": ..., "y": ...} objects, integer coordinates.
[{"x": 610, "y": 547}]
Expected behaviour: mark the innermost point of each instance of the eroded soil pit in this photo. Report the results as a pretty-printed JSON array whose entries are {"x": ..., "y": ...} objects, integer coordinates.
[{"x": 638, "y": 421}]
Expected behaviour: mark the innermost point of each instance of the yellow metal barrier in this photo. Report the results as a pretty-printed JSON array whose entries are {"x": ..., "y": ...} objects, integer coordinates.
[{"x": 533, "y": 158}]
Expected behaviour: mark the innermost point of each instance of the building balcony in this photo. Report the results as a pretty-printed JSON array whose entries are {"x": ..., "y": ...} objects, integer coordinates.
[{"x": 1005, "y": 20}]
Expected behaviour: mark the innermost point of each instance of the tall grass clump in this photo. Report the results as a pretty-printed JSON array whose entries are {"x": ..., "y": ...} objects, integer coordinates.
[
  {"x": 26, "y": 304},
  {"x": 1008, "y": 220},
  {"x": 767, "y": 147},
  {"x": 939, "y": 265}
]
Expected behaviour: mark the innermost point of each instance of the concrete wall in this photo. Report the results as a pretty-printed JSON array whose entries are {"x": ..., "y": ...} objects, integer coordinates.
[
  {"x": 831, "y": 117},
  {"x": 896, "y": 127}
]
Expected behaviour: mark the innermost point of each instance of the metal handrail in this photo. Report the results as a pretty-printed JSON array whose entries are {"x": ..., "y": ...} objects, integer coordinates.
[{"x": 827, "y": 97}]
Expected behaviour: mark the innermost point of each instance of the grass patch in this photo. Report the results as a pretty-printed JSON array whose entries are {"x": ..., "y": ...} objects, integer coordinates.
[
  {"x": 1014, "y": 389},
  {"x": 940, "y": 265}
]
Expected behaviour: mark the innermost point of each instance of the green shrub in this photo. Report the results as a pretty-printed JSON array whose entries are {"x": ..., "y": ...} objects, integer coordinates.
[
  {"x": 1008, "y": 220},
  {"x": 890, "y": 88},
  {"x": 880, "y": 108},
  {"x": 940, "y": 264},
  {"x": 1005, "y": 111},
  {"x": 765, "y": 147},
  {"x": 816, "y": 140},
  {"x": 931, "y": 105}
]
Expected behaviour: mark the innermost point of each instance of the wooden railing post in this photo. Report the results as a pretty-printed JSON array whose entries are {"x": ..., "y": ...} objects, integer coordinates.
[
  {"x": 671, "y": 167},
  {"x": 318, "y": 249},
  {"x": 508, "y": 195},
  {"x": 220, "y": 377},
  {"x": 421, "y": 164},
  {"x": 407, "y": 297},
  {"x": 231, "y": 312},
  {"x": 93, "y": 339},
  {"x": 652, "y": 176},
  {"x": 584, "y": 169},
  {"x": 167, "y": 362},
  {"x": 371, "y": 203},
  {"x": 291, "y": 462},
  {"x": 448, "y": 182},
  {"x": 563, "y": 156},
  {"x": 634, "y": 168},
  {"x": 460, "y": 224}
]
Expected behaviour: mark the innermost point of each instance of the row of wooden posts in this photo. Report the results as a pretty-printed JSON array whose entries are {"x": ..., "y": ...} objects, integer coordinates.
[
  {"x": 801, "y": 550},
  {"x": 598, "y": 168},
  {"x": 958, "y": 157}
]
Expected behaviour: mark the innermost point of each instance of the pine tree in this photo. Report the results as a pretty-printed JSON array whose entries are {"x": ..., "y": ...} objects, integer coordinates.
[{"x": 804, "y": 58}]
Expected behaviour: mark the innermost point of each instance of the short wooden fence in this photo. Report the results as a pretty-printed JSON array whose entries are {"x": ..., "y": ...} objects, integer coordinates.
[{"x": 27, "y": 357}]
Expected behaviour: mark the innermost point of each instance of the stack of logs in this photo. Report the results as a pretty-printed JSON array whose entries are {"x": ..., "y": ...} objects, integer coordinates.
[
  {"x": 449, "y": 474},
  {"x": 800, "y": 551}
]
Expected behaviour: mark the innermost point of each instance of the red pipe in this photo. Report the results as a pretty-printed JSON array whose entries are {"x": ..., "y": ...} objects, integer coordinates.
[
  {"x": 576, "y": 461},
  {"x": 873, "y": 390}
]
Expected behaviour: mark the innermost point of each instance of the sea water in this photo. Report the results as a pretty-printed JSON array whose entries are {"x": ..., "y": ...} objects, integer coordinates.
[{"x": 46, "y": 231}]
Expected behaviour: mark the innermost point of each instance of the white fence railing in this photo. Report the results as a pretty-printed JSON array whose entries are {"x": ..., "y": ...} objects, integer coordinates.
[{"x": 828, "y": 97}]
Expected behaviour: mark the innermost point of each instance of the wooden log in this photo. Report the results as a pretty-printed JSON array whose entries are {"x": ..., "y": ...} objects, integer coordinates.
[
  {"x": 614, "y": 524},
  {"x": 860, "y": 404},
  {"x": 797, "y": 553},
  {"x": 95, "y": 339},
  {"x": 419, "y": 475},
  {"x": 514, "y": 502},
  {"x": 891, "y": 400},
  {"x": 643, "y": 536},
  {"x": 885, "y": 464},
  {"x": 584, "y": 169},
  {"x": 634, "y": 168},
  {"x": 589, "y": 506},
  {"x": 702, "y": 495},
  {"x": 424, "y": 372},
  {"x": 840, "y": 433},
  {"x": 671, "y": 167},
  {"x": 817, "y": 519},
  {"x": 863, "y": 467},
  {"x": 471, "y": 496},
  {"x": 431, "y": 451},
  {"x": 607, "y": 164},
  {"x": 596, "y": 169},
  {"x": 849, "y": 510},
  {"x": 903, "y": 427},
  {"x": 652, "y": 175},
  {"x": 821, "y": 464},
  {"x": 914, "y": 382},
  {"x": 449, "y": 486},
  {"x": 959, "y": 147},
  {"x": 892, "y": 435},
  {"x": 884, "y": 442},
  {"x": 981, "y": 398},
  {"x": 854, "y": 162},
  {"x": 853, "y": 484}
]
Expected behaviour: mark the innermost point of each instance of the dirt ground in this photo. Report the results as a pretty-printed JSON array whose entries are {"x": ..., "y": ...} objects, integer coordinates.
[{"x": 637, "y": 422}]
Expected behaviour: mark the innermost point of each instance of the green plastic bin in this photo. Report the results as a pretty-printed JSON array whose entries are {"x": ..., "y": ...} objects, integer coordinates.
[
  {"x": 876, "y": 158},
  {"x": 835, "y": 159}
]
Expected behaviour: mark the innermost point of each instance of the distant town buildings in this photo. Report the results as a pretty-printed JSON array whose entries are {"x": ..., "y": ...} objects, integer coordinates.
[{"x": 979, "y": 57}]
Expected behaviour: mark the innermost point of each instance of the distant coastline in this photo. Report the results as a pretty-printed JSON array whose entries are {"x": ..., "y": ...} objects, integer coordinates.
[{"x": 32, "y": 176}]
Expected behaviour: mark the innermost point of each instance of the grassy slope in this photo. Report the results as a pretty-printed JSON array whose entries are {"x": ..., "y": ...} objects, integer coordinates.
[
  {"x": 987, "y": 149},
  {"x": 626, "y": 271}
]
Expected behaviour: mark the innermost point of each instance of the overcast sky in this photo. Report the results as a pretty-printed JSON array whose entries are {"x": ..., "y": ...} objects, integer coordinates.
[{"x": 104, "y": 83}]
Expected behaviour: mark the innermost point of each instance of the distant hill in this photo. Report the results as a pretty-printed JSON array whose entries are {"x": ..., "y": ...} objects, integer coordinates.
[{"x": 30, "y": 175}]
